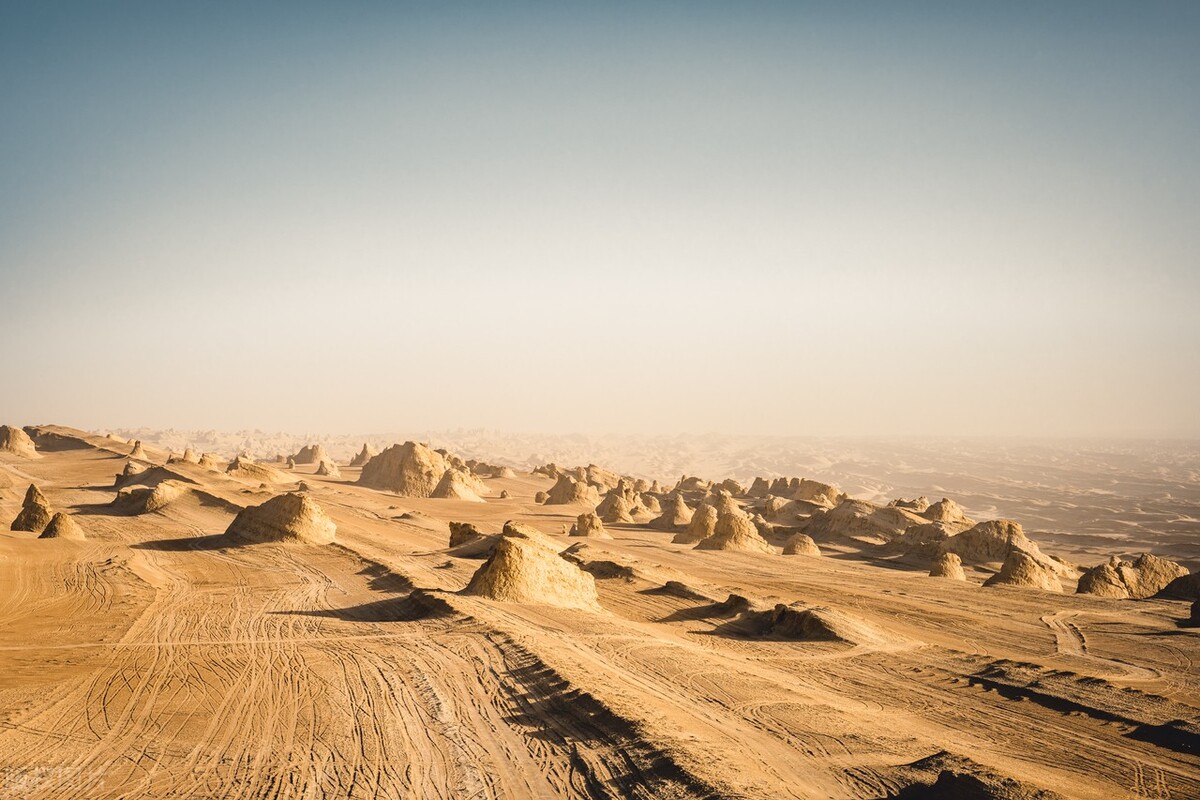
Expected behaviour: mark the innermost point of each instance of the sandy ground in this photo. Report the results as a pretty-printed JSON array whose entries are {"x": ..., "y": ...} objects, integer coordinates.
[{"x": 162, "y": 659}]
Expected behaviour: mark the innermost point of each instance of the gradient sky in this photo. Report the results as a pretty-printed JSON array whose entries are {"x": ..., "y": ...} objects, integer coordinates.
[{"x": 838, "y": 218}]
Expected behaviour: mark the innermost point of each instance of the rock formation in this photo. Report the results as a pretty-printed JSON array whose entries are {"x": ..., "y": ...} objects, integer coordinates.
[
  {"x": 949, "y": 512},
  {"x": 675, "y": 515},
  {"x": 588, "y": 524},
  {"x": 735, "y": 531},
  {"x": 523, "y": 571},
  {"x": 138, "y": 451},
  {"x": 702, "y": 525},
  {"x": 364, "y": 455},
  {"x": 311, "y": 454},
  {"x": 456, "y": 484},
  {"x": 328, "y": 469},
  {"x": 35, "y": 513},
  {"x": 410, "y": 469},
  {"x": 16, "y": 441},
  {"x": 1023, "y": 569},
  {"x": 948, "y": 565},
  {"x": 1145, "y": 577},
  {"x": 801, "y": 544},
  {"x": 63, "y": 526},
  {"x": 288, "y": 517},
  {"x": 245, "y": 469},
  {"x": 568, "y": 490}
]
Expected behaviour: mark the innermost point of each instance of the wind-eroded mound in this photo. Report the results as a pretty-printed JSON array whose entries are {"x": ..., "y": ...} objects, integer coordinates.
[
  {"x": 456, "y": 484},
  {"x": 1022, "y": 569},
  {"x": 819, "y": 624},
  {"x": 138, "y": 451},
  {"x": 675, "y": 514},
  {"x": 703, "y": 525},
  {"x": 945, "y": 776},
  {"x": 801, "y": 544},
  {"x": 289, "y": 517},
  {"x": 364, "y": 455},
  {"x": 1139, "y": 579},
  {"x": 16, "y": 441},
  {"x": 328, "y": 469},
  {"x": 588, "y": 524},
  {"x": 522, "y": 571},
  {"x": 63, "y": 526},
  {"x": 147, "y": 499},
  {"x": 248, "y": 470},
  {"x": 948, "y": 565},
  {"x": 311, "y": 454},
  {"x": 35, "y": 512},
  {"x": 410, "y": 469},
  {"x": 735, "y": 531},
  {"x": 567, "y": 490}
]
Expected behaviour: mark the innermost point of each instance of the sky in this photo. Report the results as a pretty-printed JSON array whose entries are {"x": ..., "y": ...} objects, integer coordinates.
[{"x": 768, "y": 218}]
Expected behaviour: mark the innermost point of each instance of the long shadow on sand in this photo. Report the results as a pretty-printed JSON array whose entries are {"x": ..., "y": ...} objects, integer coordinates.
[
  {"x": 406, "y": 608},
  {"x": 213, "y": 541}
]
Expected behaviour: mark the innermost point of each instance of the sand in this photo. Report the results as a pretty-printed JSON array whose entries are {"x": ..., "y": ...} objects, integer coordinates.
[{"x": 161, "y": 657}]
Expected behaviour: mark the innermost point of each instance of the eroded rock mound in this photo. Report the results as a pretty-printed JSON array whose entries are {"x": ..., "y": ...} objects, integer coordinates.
[
  {"x": 457, "y": 484},
  {"x": 568, "y": 490},
  {"x": 1144, "y": 577},
  {"x": 288, "y": 517},
  {"x": 817, "y": 492},
  {"x": 676, "y": 514},
  {"x": 364, "y": 455},
  {"x": 147, "y": 499},
  {"x": 245, "y": 469},
  {"x": 735, "y": 531},
  {"x": 16, "y": 441},
  {"x": 588, "y": 524},
  {"x": 948, "y": 512},
  {"x": 524, "y": 571},
  {"x": 703, "y": 525},
  {"x": 62, "y": 526},
  {"x": 801, "y": 544},
  {"x": 328, "y": 469},
  {"x": 410, "y": 469},
  {"x": 138, "y": 451},
  {"x": 463, "y": 532},
  {"x": 1023, "y": 569},
  {"x": 861, "y": 521},
  {"x": 819, "y": 624},
  {"x": 311, "y": 454},
  {"x": 948, "y": 565},
  {"x": 35, "y": 513}
]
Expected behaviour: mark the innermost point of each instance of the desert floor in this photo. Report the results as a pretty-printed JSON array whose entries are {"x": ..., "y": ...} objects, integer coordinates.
[{"x": 162, "y": 659}]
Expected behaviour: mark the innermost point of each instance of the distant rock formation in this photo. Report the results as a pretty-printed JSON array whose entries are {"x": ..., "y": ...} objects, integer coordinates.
[
  {"x": 35, "y": 513},
  {"x": 568, "y": 490},
  {"x": 948, "y": 565},
  {"x": 16, "y": 441},
  {"x": 138, "y": 451},
  {"x": 949, "y": 512},
  {"x": 63, "y": 526},
  {"x": 735, "y": 531},
  {"x": 463, "y": 532},
  {"x": 410, "y": 469},
  {"x": 588, "y": 524},
  {"x": 1144, "y": 577},
  {"x": 328, "y": 469},
  {"x": 364, "y": 455},
  {"x": 702, "y": 525},
  {"x": 524, "y": 571},
  {"x": 1023, "y": 569},
  {"x": 245, "y": 469},
  {"x": 311, "y": 454},
  {"x": 817, "y": 492},
  {"x": 457, "y": 484},
  {"x": 288, "y": 517},
  {"x": 676, "y": 514},
  {"x": 801, "y": 544}
]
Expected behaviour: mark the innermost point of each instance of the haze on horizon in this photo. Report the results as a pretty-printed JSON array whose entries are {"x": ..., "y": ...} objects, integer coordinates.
[{"x": 774, "y": 218}]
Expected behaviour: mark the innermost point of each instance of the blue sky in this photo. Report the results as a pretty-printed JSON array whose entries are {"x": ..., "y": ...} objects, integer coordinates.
[{"x": 795, "y": 218}]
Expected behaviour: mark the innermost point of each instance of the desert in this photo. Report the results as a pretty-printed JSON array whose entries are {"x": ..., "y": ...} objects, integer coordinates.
[{"x": 199, "y": 631}]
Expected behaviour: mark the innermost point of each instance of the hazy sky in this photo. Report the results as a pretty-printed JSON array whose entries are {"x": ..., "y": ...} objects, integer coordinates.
[{"x": 842, "y": 218}]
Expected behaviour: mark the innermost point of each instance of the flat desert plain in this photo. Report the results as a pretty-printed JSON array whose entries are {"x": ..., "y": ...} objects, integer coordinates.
[{"x": 424, "y": 624}]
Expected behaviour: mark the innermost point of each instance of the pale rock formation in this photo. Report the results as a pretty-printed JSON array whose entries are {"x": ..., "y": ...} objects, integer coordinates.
[
  {"x": 569, "y": 490},
  {"x": 948, "y": 565},
  {"x": 588, "y": 524},
  {"x": 311, "y": 454},
  {"x": 801, "y": 544},
  {"x": 457, "y": 484},
  {"x": 702, "y": 525},
  {"x": 328, "y": 469},
  {"x": 675, "y": 515},
  {"x": 364, "y": 455},
  {"x": 1144, "y": 577},
  {"x": 16, "y": 441},
  {"x": 523, "y": 571},
  {"x": 291, "y": 517},
  {"x": 1023, "y": 569},
  {"x": 35, "y": 513},
  {"x": 735, "y": 531},
  {"x": 410, "y": 469},
  {"x": 62, "y": 526}
]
